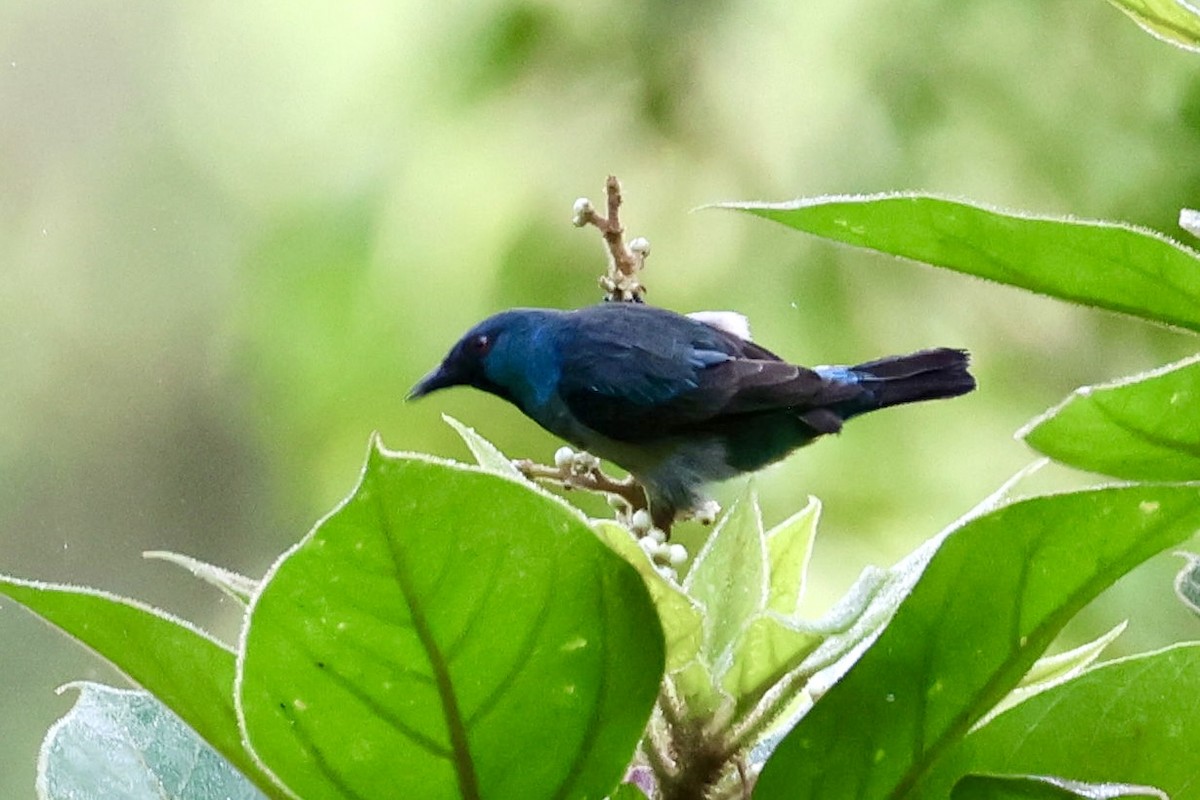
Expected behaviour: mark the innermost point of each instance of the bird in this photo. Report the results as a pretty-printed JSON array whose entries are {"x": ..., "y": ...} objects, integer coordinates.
[{"x": 678, "y": 401}]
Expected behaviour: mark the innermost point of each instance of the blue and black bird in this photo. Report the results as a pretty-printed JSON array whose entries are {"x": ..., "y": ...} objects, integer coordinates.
[{"x": 678, "y": 401}]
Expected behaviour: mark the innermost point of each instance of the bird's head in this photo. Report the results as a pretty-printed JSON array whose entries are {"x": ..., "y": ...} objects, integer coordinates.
[{"x": 499, "y": 355}]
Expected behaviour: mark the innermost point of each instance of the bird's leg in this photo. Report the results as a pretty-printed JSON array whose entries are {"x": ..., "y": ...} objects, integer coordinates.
[{"x": 625, "y": 261}]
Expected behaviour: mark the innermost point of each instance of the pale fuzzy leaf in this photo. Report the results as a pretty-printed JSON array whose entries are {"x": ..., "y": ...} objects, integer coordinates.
[
  {"x": 117, "y": 743},
  {"x": 486, "y": 454},
  {"x": 789, "y": 549},
  {"x": 682, "y": 618},
  {"x": 1172, "y": 21},
  {"x": 1189, "y": 220},
  {"x": 766, "y": 651},
  {"x": 698, "y": 691},
  {"x": 729, "y": 579},
  {"x": 1050, "y": 671},
  {"x": 1187, "y": 581},
  {"x": 1045, "y": 787},
  {"x": 237, "y": 586}
]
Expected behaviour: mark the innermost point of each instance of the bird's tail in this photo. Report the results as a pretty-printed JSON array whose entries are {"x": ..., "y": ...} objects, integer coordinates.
[{"x": 925, "y": 375}]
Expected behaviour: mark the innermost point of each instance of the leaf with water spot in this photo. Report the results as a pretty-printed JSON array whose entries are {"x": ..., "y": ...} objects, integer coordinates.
[
  {"x": 1108, "y": 265},
  {"x": 990, "y": 601},
  {"x": 449, "y": 633},
  {"x": 1131, "y": 721},
  {"x": 1144, "y": 428}
]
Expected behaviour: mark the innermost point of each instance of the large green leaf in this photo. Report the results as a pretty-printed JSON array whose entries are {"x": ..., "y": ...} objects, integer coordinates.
[
  {"x": 116, "y": 743},
  {"x": 990, "y": 601},
  {"x": 1136, "y": 720},
  {"x": 1104, "y": 264},
  {"x": 1141, "y": 428},
  {"x": 190, "y": 672},
  {"x": 1170, "y": 20},
  {"x": 449, "y": 633}
]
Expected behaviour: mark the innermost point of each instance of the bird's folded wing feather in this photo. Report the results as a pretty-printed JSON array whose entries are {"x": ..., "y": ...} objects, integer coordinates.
[{"x": 631, "y": 386}]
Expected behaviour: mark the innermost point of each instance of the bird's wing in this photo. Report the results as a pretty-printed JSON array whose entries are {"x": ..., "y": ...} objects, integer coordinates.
[{"x": 633, "y": 384}]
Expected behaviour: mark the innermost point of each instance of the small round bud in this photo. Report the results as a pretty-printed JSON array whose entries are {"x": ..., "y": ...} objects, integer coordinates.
[
  {"x": 564, "y": 457},
  {"x": 641, "y": 522},
  {"x": 667, "y": 572},
  {"x": 582, "y": 463},
  {"x": 706, "y": 512},
  {"x": 582, "y": 210},
  {"x": 641, "y": 246},
  {"x": 676, "y": 554},
  {"x": 657, "y": 535},
  {"x": 648, "y": 545}
]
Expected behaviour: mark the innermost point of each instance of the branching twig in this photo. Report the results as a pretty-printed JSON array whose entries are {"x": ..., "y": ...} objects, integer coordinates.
[
  {"x": 593, "y": 479},
  {"x": 625, "y": 261}
]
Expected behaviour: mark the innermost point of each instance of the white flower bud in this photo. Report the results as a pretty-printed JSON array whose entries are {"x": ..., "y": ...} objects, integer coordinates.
[
  {"x": 564, "y": 457},
  {"x": 641, "y": 522},
  {"x": 667, "y": 572},
  {"x": 582, "y": 463},
  {"x": 582, "y": 210},
  {"x": 641, "y": 246},
  {"x": 676, "y": 554},
  {"x": 706, "y": 512},
  {"x": 657, "y": 535},
  {"x": 648, "y": 545}
]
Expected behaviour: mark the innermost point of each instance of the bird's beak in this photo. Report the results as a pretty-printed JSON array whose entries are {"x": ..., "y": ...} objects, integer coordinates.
[{"x": 439, "y": 378}]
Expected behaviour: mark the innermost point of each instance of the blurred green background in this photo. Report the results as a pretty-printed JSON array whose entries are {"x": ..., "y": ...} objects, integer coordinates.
[{"x": 233, "y": 235}]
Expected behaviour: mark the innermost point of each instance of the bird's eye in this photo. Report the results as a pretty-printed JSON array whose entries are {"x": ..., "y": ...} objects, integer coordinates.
[{"x": 481, "y": 344}]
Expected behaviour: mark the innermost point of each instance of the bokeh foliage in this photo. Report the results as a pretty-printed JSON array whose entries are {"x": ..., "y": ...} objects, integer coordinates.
[{"x": 233, "y": 237}]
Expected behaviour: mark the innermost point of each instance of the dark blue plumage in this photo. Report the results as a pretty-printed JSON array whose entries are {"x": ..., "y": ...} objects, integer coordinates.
[{"x": 676, "y": 401}]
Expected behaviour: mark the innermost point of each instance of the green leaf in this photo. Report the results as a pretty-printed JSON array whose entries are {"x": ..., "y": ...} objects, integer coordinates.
[
  {"x": 1172, "y": 21},
  {"x": 990, "y": 601},
  {"x": 1187, "y": 582},
  {"x": 1037, "y": 787},
  {"x": 698, "y": 690},
  {"x": 186, "y": 669},
  {"x": 116, "y": 743},
  {"x": 767, "y": 649},
  {"x": 789, "y": 549},
  {"x": 1050, "y": 671},
  {"x": 729, "y": 579},
  {"x": 449, "y": 633},
  {"x": 1132, "y": 721},
  {"x": 681, "y": 617},
  {"x": 1141, "y": 428},
  {"x": 233, "y": 584},
  {"x": 1104, "y": 264},
  {"x": 487, "y": 455}
]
